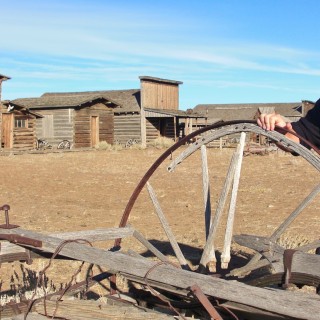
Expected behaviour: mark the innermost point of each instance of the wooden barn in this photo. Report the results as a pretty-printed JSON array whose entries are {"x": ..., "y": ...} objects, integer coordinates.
[
  {"x": 160, "y": 114},
  {"x": 18, "y": 127},
  {"x": 114, "y": 116}
]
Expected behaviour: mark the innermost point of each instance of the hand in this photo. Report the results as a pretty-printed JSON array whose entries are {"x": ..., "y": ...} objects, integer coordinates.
[{"x": 271, "y": 120}]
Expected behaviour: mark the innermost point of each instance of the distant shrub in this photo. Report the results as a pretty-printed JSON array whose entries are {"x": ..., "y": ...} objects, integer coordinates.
[
  {"x": 104, "y": 145},
  {"x": 162, "y": 142}
]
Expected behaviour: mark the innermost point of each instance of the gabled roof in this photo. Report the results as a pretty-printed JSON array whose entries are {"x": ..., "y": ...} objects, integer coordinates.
[
  {"x": 248, "y": 111},
  {"x": 151, "y": 112},
  {"x": 15, "y": 106},
  {"x": 124, "y": 100}
]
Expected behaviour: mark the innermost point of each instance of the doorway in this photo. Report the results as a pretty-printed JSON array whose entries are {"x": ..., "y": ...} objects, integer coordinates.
[
  {"x": 7, "y": 131},
  {"x": 94, "y": 130}
]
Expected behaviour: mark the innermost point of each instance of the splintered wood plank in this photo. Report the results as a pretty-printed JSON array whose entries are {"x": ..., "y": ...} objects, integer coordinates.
[
  {"x": 94, "y": 310},
  {"x": 166, "y": 227},
  {"x": 299, "y": 306},
  {"x": 11, "y": 252},
  {"x": 301, "y": 262},
  {"x": 225, "y": 256}
]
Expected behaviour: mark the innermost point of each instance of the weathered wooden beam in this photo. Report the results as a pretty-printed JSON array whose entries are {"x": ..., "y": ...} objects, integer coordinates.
[
  {"x": 298, "y": 306},
  {"x": 301, "y": 262},
  {"x": 11, "y": 252},
  {"x": 95, "y": 310}
]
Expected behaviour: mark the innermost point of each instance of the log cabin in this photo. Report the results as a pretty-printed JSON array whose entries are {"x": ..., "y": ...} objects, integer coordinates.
[{"x": 18, "y": 127}]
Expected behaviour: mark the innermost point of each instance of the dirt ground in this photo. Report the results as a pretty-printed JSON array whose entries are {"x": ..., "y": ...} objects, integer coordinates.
[{"x": 71, "y": 191}]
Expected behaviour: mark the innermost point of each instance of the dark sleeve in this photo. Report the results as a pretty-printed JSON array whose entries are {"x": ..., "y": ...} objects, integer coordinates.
[{"x": 308, "y": 127}]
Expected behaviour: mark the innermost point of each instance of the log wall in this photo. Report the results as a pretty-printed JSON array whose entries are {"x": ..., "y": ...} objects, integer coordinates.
[
  {"x": 25, "y": 138},
  {"x": 154, "y": 126},
  {"x": 127, "y": 126},
  {"x": 82, "y": 125},
  {"x": 160, "y": 95}
]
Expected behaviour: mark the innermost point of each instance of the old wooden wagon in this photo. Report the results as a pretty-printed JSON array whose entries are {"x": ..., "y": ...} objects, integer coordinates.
[{"x": 179, "y": 288}]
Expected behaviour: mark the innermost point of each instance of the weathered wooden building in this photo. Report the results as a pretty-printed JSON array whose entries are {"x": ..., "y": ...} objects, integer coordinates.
[
  {"x": 250, "y": 111},
  {"x": 17, "y": 124},
  {"x": 86, "y": 118},
  {"x": 160, "y": 114},
  {"x": 18, "y": 127},
  {"x": 2, "y": 78},
  {"x": 82, "y": 120}
]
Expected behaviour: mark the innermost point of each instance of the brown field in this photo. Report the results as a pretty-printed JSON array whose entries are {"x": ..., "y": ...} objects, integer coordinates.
[{"x": 70, "y": 191}]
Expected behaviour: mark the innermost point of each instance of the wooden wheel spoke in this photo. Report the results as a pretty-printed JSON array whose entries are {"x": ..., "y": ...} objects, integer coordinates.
[
  {"x": 167, "y": 229},
  {"x": 251, "y": 265},
  {"x": 225, "y": 256},
  {"x": 208, "y": 251}
]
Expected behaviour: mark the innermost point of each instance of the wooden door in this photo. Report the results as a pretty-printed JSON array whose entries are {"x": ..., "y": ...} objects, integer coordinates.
[
  {"x": 7, "y": 130},
  {"x": 94, "y": 130}
]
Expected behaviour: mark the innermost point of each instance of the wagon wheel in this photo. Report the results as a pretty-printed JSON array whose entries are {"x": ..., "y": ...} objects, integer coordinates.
[
  {"x": 64, "y": 144},
  {"x": 131, "y": 142},
  {"x": 205, "y": 136}
]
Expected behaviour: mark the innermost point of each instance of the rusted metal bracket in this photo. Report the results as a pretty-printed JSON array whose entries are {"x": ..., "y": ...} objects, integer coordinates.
[
  {"x": 7, "y": 225},
  {"x": 17, "y": 239},
  {"x": 205, "y": 302}
]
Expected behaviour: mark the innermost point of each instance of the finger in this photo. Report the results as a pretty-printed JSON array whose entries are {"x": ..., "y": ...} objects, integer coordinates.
[
  {"x": 261, "y": 121},
  {"x": 289, "y": 126},
  {"x": 272, "y": 122},
  {"x": 268, "y": 122}
]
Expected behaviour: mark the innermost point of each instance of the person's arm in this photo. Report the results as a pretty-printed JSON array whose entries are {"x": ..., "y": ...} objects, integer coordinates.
[{"x": 273, "y": 120}]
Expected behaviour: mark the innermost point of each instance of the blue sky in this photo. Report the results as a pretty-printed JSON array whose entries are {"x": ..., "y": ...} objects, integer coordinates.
[{"x": 224, "y": 51}]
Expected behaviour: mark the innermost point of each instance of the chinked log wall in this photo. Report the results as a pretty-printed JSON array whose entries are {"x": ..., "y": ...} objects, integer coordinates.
[
  {"x": 127, "y": 126},
  {"x": 153, "y": 128},
  {"x": 82, "y": 125},
  {"x": 24, "y": 138}
]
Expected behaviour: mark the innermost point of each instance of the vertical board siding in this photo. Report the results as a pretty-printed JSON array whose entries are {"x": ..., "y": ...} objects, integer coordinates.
[
  {"x": 160, "y": 95},
  {"x": 75, "y": 125},
  {"x": 126, "y": 127},
  {"x": 57, "y": 125}
]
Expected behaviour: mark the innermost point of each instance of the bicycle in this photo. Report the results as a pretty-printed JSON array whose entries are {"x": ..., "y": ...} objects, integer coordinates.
[{"x": 64, "y": 144}]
